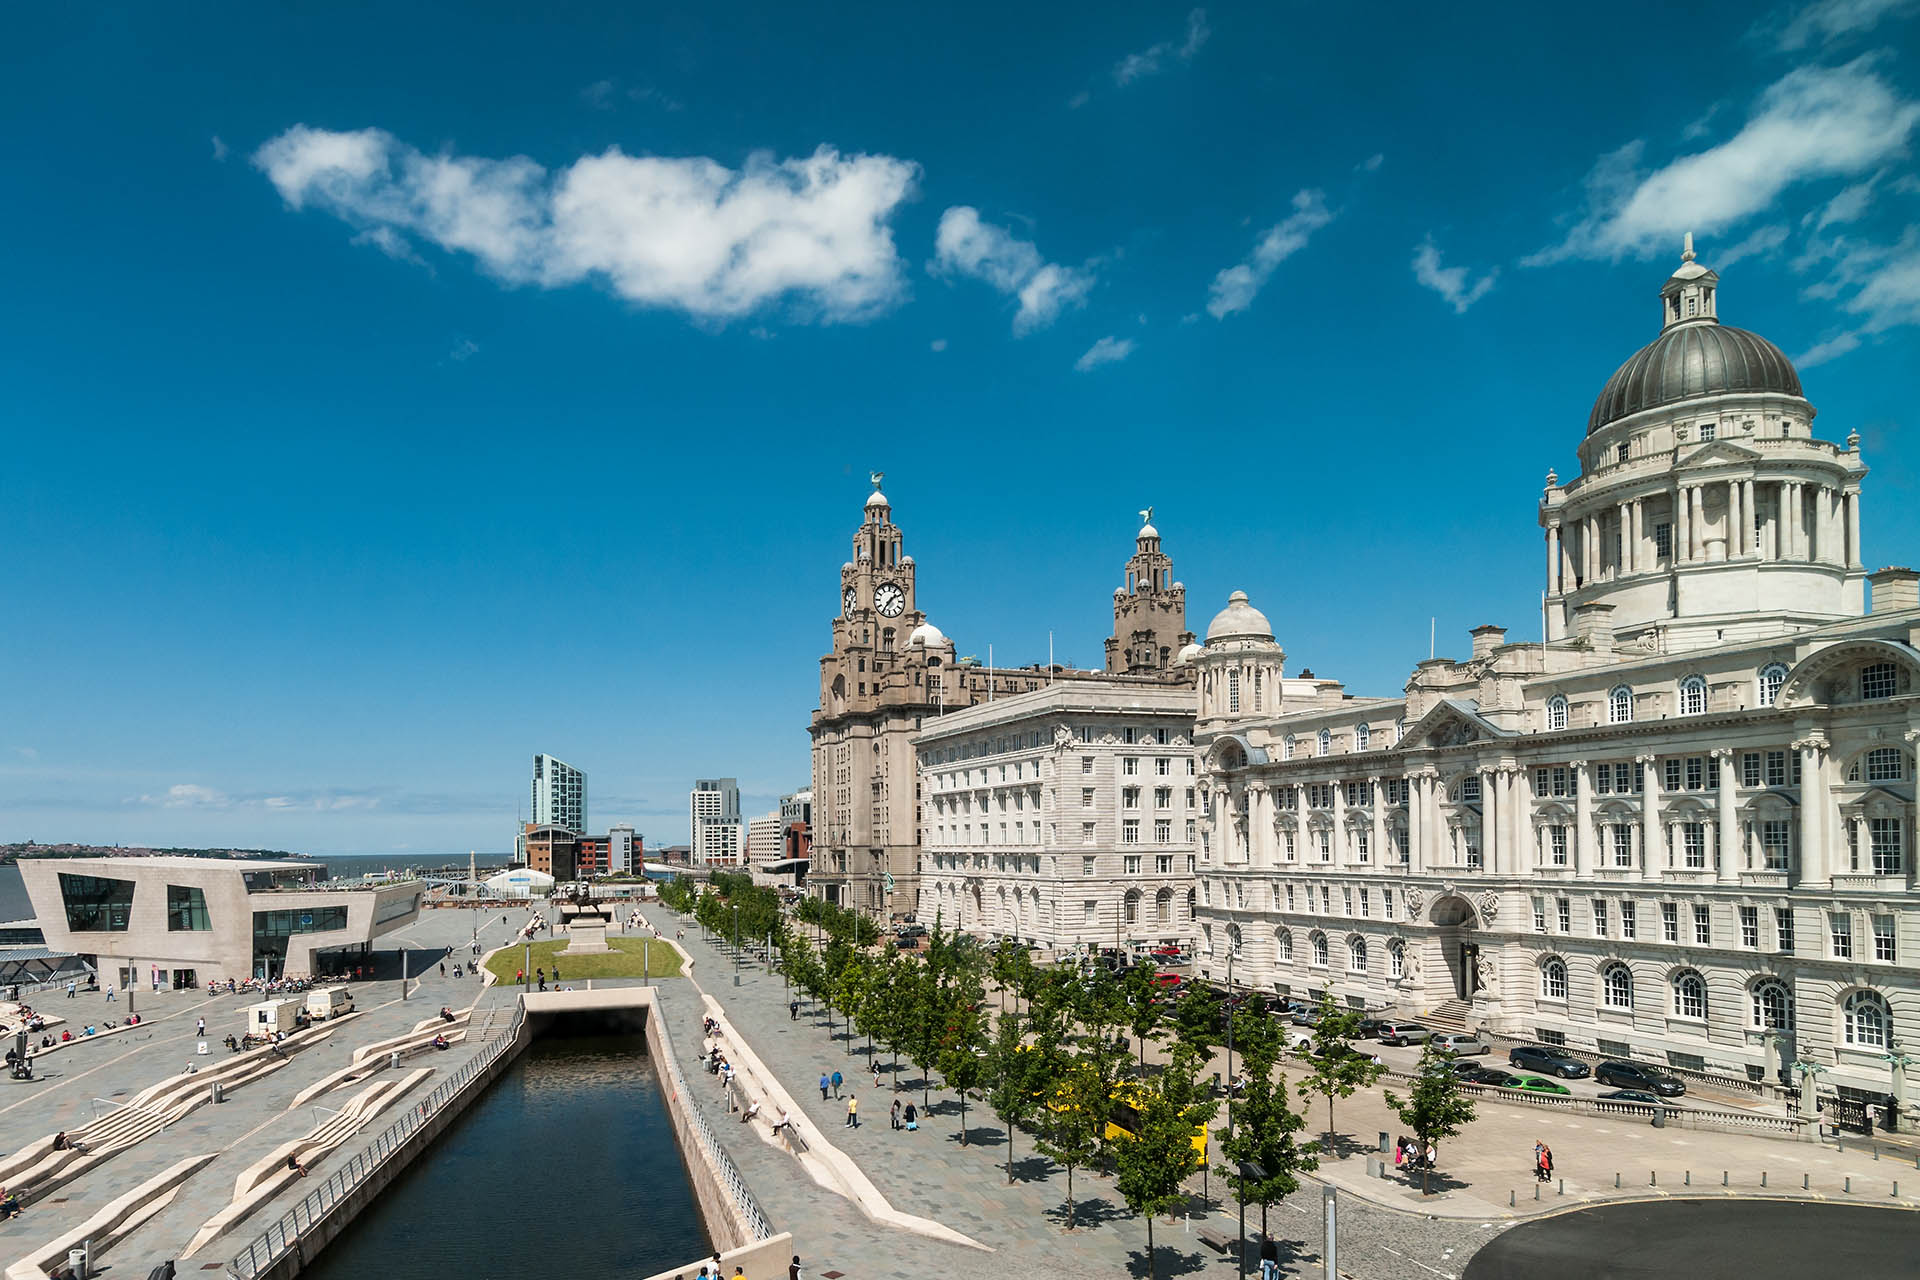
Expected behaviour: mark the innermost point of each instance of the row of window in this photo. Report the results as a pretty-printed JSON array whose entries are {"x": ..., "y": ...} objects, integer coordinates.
[
  {"x": 1876, "y": 681},
  {"x": 1130, "y": 735},
  {"x": 1233, "y": 895},
  {"x": 1602, "y": 916},
  {"x": 1132, "y": 831},
  {"x": 1864, "y": 1016}
]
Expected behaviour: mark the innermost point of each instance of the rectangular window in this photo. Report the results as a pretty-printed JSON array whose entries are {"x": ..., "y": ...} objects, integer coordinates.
[
  {"x": 1289, "y": 897},
  {"x": 1563, "y": 910},
  {"x": 1793, "y": 768},
  {"x": 1774, "y": 835},
  {"x": 1130, "y": 797},
  {"x": 1539, "y": 915},
  {"x": 1163, "y": 864},
  {"x": 1783, "y": 929},
  {"x": 186, "y": 910},
  {"x": 1190, "y": 830},
  {"x": 1326, "y": 846},
  {"x": 1693, "y": 840},
  {"x": 1163, "y": 797},
  {"x": 1386, "y": 903},
  {"x": 1086, "y": 865},
  {"x": 1669, "y": 922},
  {"x": 1750, "y": 928},
  {"x": 1402, "y": 849},
  {"x": 1163, "y": 830},
  {"x": 1130, "y": 765},
  {"x": 1086, "y": 764},
  {"x": 1703, "y": 926},
  {"x": 1599, "y": 917},
  {"x": 1883, "y": 948},
  {"x": 1840, "y": 925},
  {"x": 284, "y": 924},
  {"x": 1670, "y": 770},
  {"x": 1326, "y": 901},
  {"x": 1663, "y": 540},
  {"x": 1887, "y": 845},
  {"x": 1162, "y": 766},
  {"x": 1361, "y": 850},
  {"x": 1086, "y": 835},
  {"x": 1086, "y": 797},
  {"x": 96, "y": 904},
  {"x": 1131, "y": 864},
  {"x": 1603, "y": 779},
  {"x": 1088, "y": 910},
  {"x": 1623, "y": 844},
  {"x": 1365, "y": 907},
  {"x": 1130, "y": 831},
  {"x": 1776, "y": 768},
  {"x": 1557, "y": 846},
  {"x": 1696, "y": 773},
  {"x": 1629, "y": 922},
  {"x": 1750, "y": 769},
  {"x": 1878, "y": 681}
]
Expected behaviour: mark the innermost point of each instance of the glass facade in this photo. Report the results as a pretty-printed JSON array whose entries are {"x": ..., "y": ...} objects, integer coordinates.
[
  {"x": 271, "y": 929},
  {"x": 96, "y": 904},
  {"x": 186, "y": 910},
  {"x": 397, "y": 908}
]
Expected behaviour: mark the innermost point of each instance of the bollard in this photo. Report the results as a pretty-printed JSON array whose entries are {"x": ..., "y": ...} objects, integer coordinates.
[
  {"x": 1616, "y": 1180},
  {"x": 1536, "y": 1191},
  {"x": 1896, "y": 1190},
  {"x": 1512, "y": 1199},
  {"x": 1687, "y": 1181},
  {"x": 1806, "y": 1182},
  {"x": 1653, "y": 1179},
  {"x": 1876, "y": 1151},
  {"x": 1848, "y": 1187},
  {"x": 1763, "y": 1177},
  {"x": 1563, "y": 1186},
  {"x": 1723, "y": 1177}
]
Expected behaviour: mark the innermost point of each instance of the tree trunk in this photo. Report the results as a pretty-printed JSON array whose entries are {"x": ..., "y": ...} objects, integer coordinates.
[
  {"x": 1151, "y": 1273},
  {"x": 1069, "y": 1197},
  {"x": 963, "y": 1117},
  {"x": 1009, "y": 1153}
]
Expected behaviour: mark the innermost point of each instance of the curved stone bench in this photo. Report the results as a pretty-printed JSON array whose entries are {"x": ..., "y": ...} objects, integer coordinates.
[{"x": 111, "y": 1224}]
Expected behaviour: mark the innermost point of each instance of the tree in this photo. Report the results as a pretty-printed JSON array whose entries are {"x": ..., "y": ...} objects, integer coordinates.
[
  {"x": 1264, "y": 1125},
  {"x": 1338, "y": 1068},
  {"x": 1144, "y": 1014},
  {"x": 1072, "y": 1123},
  {"x": 963, "y": 1057},
  {"x": 1436, "y": 1108},
  {"x": 1015, "y": 1079},
  {"x": 1196, "y": 1019},
  {"x": 1155, "y": 1161},
  {"x": 850, "y": 990}
]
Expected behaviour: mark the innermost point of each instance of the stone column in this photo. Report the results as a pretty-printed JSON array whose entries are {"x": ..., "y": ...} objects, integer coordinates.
[
  {"x": 1682, "y": 525},
  {"x": 1736, "y": 541},
  {"x": 1815, "y": 862},
  {"x": 1649, "y": 814},
  {"x": 1259, "y": 825},
  {"x": 1699, "y": 521},
  {"x": 1583, "y": 833},
  {"x": 1625, "y": 556},
  {"x": 1729, "y": 818},
  {"x": 1641, "y": 560},
  {"x": 1796, "y": 548},
  {"x": 1489, "y": 817},
  {"x": 1337, "y": 841},
  {"x": 1416, "y": 819},
  {"x": 1853, "y": 531},
  {"x": 1750, "y": 512},
  {"x": 1553, "y": 559},
  {"x": 1380, "y": 855}
]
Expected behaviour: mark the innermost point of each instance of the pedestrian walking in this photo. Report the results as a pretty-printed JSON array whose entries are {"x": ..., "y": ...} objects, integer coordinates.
[
  {"x": 69, "y": 988},
  {"x": 200, "y": 1028},
  {"x": 443, "y": 968},
  {"x": 1269, "y": 1260},
  {"x": 837, "y": 1082},
  {"x": 896, "y": 1114},
  {"x": 793, "y": 1269},
  {"x": 1546, "y": 1163},
  {"x": 824, "y": 1082},
  {"x": 876, "y": 1075},
  {"x": 109, "y": 993},
  {"x": 793, "y": 1011},
  {"x": 853, "y": 1111},
  {"x": 912, "y": 1118}
]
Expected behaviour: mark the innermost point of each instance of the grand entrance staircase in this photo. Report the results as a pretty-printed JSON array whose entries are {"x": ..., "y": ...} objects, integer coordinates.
[{"x": 1449, "y": 1015}]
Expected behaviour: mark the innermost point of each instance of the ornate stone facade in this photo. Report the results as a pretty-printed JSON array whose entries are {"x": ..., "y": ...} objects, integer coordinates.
[{"x": 1682, "y": 828}]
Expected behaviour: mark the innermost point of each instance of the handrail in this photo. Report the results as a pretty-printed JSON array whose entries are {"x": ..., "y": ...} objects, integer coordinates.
[
  {"x": 316, "y": 1205},
  {"x": 736, "y": 1185}
]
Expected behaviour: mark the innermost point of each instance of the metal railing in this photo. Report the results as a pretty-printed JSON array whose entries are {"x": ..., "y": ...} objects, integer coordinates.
[
  {"x": 756, "y": 1221},
  {"x": 316, "y": 1205}
]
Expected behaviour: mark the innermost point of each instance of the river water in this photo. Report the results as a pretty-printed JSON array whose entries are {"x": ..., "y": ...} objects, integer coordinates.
[{"x": 566, "y": 1166}]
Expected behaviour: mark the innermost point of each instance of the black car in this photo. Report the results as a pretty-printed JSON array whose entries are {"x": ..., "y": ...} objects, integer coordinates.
[
  {"x": 1548, "y": 1062},
  {"x": 1466, "y": 1068},
  {"x": 1370, "y": 1028},
  {"x": 1632, "y": 1075},
  {"x": 1490, "y": 1075}
]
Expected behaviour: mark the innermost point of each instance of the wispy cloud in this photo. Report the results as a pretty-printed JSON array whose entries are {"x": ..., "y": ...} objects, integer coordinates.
[
  {"x": 1825, "y": 21},
  {"x": 1878, "y": 285},
  {"x": 1452, "y": 283},
  {"x": 393, "y": 244},
  {"x": 186, "y": 795},
  {"x": 463, "y": 349},
  {"x": 1812, "y": 123},
  {"x": 219, "y": 149},
  {"x": 1108, "y": 350},
  {"x": 1850, "y": 205},
  {"x": 1235, "y": 288},
  {"x": 681, "y": 233},
  {"x": 938, "y": 344},
  {"x": 965, "y": 245},
  {"x": 605, "y": 95},
  {"x": 1762, "y": 242},
  {"x": 1371, "y": 163},
  {"x": 1152, "y": 61}
]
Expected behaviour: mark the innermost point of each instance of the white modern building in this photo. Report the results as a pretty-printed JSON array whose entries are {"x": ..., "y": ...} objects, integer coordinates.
[
  {"x": 718, "y": 837},
  {"x": 190, "y": 921},
  {"x": 1065, "y": 817},
  {"x": 622, "y": 851},
  {"x": 1680, "y": 829},
  {"x": 559, "y": 794},
  {"x": 767, "y": 837}
]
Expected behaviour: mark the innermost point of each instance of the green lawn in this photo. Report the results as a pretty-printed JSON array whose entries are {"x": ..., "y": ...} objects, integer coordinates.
[{"x": 625, "y": 959}]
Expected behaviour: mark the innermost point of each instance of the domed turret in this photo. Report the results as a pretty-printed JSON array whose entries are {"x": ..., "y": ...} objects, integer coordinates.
[
  {"x": 927, "y": 635},
  {"x": 1239, "y": 621}
]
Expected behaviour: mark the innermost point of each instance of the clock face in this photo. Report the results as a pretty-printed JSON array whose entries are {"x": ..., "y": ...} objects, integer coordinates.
[
  {"x": 890, "y": 599},
  {"x": 847, "y": 599}
]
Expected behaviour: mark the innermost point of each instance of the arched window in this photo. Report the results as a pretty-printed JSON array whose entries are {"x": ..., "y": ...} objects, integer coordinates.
[
  {"x": 1620, "y": 705},
  {"x": 1162, "y": 906},
  {"x": 1233, "y": 691},
  {"x": 1878, "y": 680},
  {"x": 1863, "y": 1020},
  {"x": 1882, "y": 764},
  {"x": 1772, "y": 1005},
  {"x": 1132, "y": 901},
  {"x": 1396, "y": 959},
  {"x": 1689, "y": 995},
  {"x": 1286, "y": 747},
  {"x": 1693, "y": 696},
  {"x": 1556, "y": 712},
  {"x": 1283, "y": 946},
  {"x": 1616, "y": 986},
  {"x": 1553, "y": 979},
  {"x": 1362, "y": 736},
  {"x": 1326, "y": 742},
  {"x": 1233, "y": 939},
  {"x": 1319, "y": 944},
  {"x": 1356, "y": 955},
  {"x": 1772, "y": 676}
]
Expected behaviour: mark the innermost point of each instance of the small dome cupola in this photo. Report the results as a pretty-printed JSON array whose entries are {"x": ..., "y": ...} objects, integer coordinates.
[{"x": 1687, "y": 296}]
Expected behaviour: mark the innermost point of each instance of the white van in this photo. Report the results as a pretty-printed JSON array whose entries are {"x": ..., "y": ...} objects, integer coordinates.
[
  {"x": 272, "y": 1015},
  {"x": 329, "y": 1002}
]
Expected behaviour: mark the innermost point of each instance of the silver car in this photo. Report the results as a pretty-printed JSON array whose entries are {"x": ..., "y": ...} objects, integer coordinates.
[{"x": 1459, "y": 1043}]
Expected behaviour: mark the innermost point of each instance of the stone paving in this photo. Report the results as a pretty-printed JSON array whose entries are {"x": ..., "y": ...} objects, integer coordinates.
[{"x": 252, "y": 1121}]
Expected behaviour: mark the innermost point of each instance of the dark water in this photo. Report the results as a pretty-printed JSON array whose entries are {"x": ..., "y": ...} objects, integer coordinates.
[{"x": 567, "y": 1166}]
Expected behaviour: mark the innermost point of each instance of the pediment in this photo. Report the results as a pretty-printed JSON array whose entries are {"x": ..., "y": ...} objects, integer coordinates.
[
  {"x": 1719, "y": 453},
  {"x": 1452, "y": 722}
]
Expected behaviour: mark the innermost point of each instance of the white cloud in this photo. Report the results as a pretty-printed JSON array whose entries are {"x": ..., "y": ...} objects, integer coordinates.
[
  {"x": 1079, "y": 100},
  {"x": 1151, "y": 62},
  {"x": 683, "y": 233},
  {"x": 219, "y": 148},
  {"x": 393, "y": 244},
  {"x": 1827, "y": 20},
  {"x": 463, "y": 349},
  {"x": 1762, "y": 242},
  {"x": 1372, "y": 162},
  {"x": 1880, "y": 285},
  {"x": 938, "y": 344},
  {"x": 605, "y": 95},
  {"x": 1450, "y": 283},
  {"x": 27, "y": 753},
  {"x": 1235, "y": 287},
  {"x": 1813, "y": 122},
  {"x": 188, "y": 795},
  {"x": 1108, "y": 350},
  {"x": 1850, "y": 205},
  {"x": 965, "y": 245},
  {"x": 1821, "y": 352}
]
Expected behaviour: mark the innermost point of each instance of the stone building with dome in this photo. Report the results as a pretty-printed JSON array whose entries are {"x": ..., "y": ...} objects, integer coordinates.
[
  {"x": 892, "y": 675},
  {"x": 1681, "y": 829}
]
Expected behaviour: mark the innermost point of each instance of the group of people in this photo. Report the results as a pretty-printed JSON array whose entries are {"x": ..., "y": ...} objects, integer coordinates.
[
  {"x": 1543, "y": 1162},
  {"x": 716, "y": 1271},
  {"x": 1413, "y": 1155}
]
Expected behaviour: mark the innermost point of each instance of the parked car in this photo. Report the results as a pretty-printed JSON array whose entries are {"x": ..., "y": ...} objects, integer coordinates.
[
  {"x": 1168, "y": 981},
  {"x": 1533, "y": 1057},
  {"x": 1631, "y": 1095},
  {"x": 1467, "y": 1068},
  {"x": 1307, "y": 1017},
  {"x": 1370, "y": 1028},
  {"x": 1634, "y": 1075},
  {"x": 1459, "y": 1042},
  {"x": 1405, "y": 1033},
  {"x": 1490, "y": 1075},
  {"x": 1540, "y": 1084}
]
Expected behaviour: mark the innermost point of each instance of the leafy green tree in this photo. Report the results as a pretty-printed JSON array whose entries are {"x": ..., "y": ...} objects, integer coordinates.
[
  {"x": 1016, "y": 1079},
  {"x": 1003, "y": 966},
  {"x": 1072, "y": 1123},
  {"x": 1154, "y": 1163},
  {"x": 1338, "y": 1068},
  {"x": 1264, "y": 1124},
  {"x": 1437, "y": 1107},
  {"x": 963, "y": 1056},
  {"x": 1145, "y": 1016},
  {"x": 850, "y": 991}
]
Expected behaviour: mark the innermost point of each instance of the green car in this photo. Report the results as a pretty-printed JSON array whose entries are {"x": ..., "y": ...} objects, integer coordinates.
[{"x": 1540, "y": 1084}]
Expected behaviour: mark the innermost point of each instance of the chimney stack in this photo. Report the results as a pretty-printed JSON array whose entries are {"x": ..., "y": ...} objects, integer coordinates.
[
  {"x": 1593, "y": 626},
  {"x": 1486, "y": 639},
  {"x": 1895, "y": 588}
]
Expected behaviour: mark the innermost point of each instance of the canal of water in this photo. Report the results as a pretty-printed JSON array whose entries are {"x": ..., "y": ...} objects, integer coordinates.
[{"x": 567, "y": 1165}]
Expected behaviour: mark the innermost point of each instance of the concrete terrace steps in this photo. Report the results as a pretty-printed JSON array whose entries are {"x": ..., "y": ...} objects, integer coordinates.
[
  {"x": 372, "y": 1058},
  {"x": 269, "y": 1176},
  {"x": 1449, "y": 1015},
  {"x": 111, "y": 1224}
]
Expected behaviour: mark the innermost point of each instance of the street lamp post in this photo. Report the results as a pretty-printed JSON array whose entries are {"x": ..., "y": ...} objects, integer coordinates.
[
  {"x": 1250, "y": 1171},
  {"x": 1333, "y": 1233},
  {"x": 736, "y": 944}
]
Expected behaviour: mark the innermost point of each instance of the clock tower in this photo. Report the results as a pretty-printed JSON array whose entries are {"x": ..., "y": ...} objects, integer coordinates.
[{"x": 888, "y": 670}]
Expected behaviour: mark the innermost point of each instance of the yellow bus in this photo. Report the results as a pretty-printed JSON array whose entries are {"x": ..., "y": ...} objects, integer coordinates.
[{"x": 1123, "y": 1120}]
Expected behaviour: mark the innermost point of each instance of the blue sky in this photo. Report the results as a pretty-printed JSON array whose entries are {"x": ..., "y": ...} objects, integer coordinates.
[{"x": 392, "y": 392}]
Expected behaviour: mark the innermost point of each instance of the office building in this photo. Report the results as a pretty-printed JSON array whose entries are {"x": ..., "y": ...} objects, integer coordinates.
[
  {"x": 559, "y": 794},
  {"x": 718, "y": 837}
]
